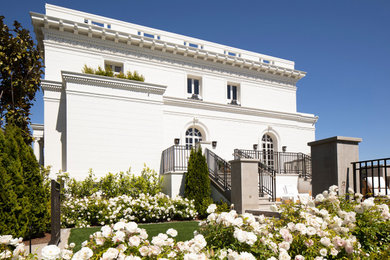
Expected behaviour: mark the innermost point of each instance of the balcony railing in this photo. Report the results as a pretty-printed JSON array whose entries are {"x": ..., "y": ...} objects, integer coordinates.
[
  {"x": 280, "y": 162},
  {"x": 175, "y": 159}
]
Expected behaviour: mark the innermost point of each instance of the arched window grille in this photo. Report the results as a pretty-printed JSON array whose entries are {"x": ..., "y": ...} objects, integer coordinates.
[{"x": 193, "y": 136}]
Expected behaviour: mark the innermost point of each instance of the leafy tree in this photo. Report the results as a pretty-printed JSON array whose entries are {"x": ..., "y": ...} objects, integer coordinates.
[
  {"x": 197, "y": 182},
  {"x": 20, "y": 76}
]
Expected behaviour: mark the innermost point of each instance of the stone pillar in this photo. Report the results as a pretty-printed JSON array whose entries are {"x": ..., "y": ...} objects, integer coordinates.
[
  {"x": 36, "y": 148},
  {"x": 331, "y": 159},
  {"x": 245, "y": 184}
]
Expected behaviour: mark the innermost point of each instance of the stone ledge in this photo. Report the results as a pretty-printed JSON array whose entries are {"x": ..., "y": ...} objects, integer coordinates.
[{"x": 336, "y": 139}]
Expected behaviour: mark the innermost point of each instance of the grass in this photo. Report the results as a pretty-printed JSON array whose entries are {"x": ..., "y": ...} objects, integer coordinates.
[{"x": 185, "y": 231}]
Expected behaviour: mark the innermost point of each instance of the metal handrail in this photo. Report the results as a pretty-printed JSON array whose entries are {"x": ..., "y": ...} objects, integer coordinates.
[
  {"x": 267, "y": 175},
  {"x": 219, "y": 170}
]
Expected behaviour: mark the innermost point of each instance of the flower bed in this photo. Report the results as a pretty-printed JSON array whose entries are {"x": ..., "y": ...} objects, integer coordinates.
[
  {"x": 96, "y": 210},
  {"x": 328, "y": 227}
]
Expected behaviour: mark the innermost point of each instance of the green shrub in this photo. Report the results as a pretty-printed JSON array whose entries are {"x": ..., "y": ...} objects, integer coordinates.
[
  {"x": 88, "y": 70},
  {"x": 100, "y": 71},
  {"x": 222, "y": 206},
  {"x": 13, "y": 205},
  {"x": 112, "y": 185},
  {"x": 137, "y": 77},
  {"x": 197, "y": 182},
  {"x": 24, "y": 197},
  {"x": 109, "y": 73}
]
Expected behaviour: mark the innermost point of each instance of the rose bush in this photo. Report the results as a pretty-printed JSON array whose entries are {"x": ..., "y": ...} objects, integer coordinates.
[
  {"x": 327, "y": 227},
  {"x": 97, "y": 210}
]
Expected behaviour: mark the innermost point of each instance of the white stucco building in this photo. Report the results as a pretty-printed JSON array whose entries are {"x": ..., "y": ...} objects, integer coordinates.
[{"x": 193, "y": 90}]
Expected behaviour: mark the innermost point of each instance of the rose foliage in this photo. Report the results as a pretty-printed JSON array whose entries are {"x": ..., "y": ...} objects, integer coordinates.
[
  {"x": 327, "y": 227},
  {"x": 97, "y": 210}
]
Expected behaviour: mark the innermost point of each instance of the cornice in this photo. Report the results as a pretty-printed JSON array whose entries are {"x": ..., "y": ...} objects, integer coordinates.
[
  {"x": 43, "y": 21},
  {"x": 92, "y": 45},
  {"x": 190, "y": 103},
  {"x": 112, "y": 82},
  {"x": 51, "y": 85}
]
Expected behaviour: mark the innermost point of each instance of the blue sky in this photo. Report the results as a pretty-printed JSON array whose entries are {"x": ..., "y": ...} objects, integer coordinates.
[{"x": 344, "y": 46}]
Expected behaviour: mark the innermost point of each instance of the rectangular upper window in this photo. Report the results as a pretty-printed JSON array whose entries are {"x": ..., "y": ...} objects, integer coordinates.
[
  {"x": 194, "y": 87},
  {"x": 116, "y": 67},
  {"x": 232, "y": 94}
]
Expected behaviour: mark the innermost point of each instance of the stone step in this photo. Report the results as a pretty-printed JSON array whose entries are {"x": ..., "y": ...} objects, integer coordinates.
[{"x": 266, "y": 213}]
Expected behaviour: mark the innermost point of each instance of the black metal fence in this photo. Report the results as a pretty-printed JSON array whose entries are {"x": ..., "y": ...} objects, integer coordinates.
[
  {"x": 219, "y": 170},
  {"x": 372, "y": 177},
  {"x": 280, "y": 162},
  {"x": 175, "y": 158}
]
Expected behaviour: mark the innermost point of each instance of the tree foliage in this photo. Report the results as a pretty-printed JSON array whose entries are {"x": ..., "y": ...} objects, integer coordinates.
[
  {"x": 197, "y": 182},
  {"x": 23, "y": 198},
  {"x": 20, "y": 76}
]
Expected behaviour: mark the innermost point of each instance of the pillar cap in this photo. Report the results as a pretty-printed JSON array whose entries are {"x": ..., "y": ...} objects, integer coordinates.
[
  {"x": 244, "y": 160},
  {"x": 337, "y": 139}
]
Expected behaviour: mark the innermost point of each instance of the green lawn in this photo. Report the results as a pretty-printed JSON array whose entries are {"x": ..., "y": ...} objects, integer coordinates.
[{"x": 185, "y": 231}]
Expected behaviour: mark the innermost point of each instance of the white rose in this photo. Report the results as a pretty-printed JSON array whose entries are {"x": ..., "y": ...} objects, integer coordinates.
[
  {"x": 134, "y": 241},
  {"x": 50, "y": 252},
  {"x": 323, "y": 252},
  {"x": 325, "y": 241},
  {"x": 283, "y": 255},
  {"x": 83, "y": 253},
  {"x": 5, "y": 254},
  {"x": 5, "y": 239},
  {"x": 119, "y": 226},
  {"x": 211, "y": 208},
  {"x": 299, "y": 257},
  {"x": 66, "y": 254},
  {"x": 144, "y": 250},
  {"x": 246, "y": 256},
  {"x": 111, "y": 253},
  {"x": 172, "y": 232},
  {"x": 119, "y": 237},
  {"x": 131, "y": 227},
  {"x": 106, "y": 231},
  {"x": 284, "y": 245}
]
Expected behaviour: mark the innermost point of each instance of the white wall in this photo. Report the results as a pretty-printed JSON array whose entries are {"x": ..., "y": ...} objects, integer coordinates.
[
  {"x": 110, "y": 130},
  {"x": 232, "y": 130},
  {"x": 254, "y": 92}
]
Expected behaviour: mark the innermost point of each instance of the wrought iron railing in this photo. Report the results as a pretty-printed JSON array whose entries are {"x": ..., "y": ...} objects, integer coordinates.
[
  {"x": 175, "y": 158},
  {"x": 219, "y": 170},
  {"x": 372, "y": 177},
  {"x": 280, "y": 162},
  {"x": 267, "y": 175}
]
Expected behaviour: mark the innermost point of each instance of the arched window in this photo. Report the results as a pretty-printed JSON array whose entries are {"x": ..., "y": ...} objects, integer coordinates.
[
  {"x": 268, "y": 150},
  {"x": 193, "y": 136}
]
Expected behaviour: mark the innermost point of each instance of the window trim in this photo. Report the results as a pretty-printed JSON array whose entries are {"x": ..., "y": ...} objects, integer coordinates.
[
  {"x": 230, "y": 93},
  {"x": 114, "y": 64},
  {"x": 196, "y": 84}
]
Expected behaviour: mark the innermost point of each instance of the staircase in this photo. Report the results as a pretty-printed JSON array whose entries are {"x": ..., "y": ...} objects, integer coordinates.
[
  {"x": 175, "y": 159},
  {"x": 267, "y": 176},
  {"x": 219, "y": 173}
]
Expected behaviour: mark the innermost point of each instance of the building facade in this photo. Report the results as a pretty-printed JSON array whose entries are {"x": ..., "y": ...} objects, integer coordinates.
[{"x": 194, "y": 91}]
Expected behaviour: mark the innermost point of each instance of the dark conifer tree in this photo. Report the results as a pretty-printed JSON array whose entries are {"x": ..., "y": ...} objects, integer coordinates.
[{"x": 197, "y": 182}]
